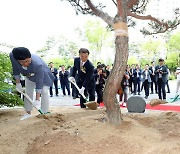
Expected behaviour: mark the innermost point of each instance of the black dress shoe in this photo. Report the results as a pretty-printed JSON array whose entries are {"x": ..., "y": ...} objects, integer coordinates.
[
  {"x": 146, "y": 97},
  {"x": 51, "y": 95},
  {"x": 151, "y": 93},
  {"x": 139, "y": 94}
]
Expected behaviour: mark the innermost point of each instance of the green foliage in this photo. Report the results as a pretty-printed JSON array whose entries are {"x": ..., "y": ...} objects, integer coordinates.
[
  {"x": 6, "y": 71},
  {"x": 144, "y": 61},
  {"x": 151, "y": 49},
  {"x": 6, "y": 98},
  {"x": 172, "y": 60},
  {"x": 10, "y": 100},
  {"x": 172, "y": 77},
  {"x": 65, "y": 61},
  {"x": 133, "y": 60},
  {"x": 173, "y": 43}
]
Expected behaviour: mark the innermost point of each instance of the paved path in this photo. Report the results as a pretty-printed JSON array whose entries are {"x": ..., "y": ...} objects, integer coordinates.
[{"x": 69, "y": 101}]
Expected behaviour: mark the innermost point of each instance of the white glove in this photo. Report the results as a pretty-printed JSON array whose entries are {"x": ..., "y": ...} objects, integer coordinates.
[
  {"x": 72, "y": 79},
  {"x": 37, "y": 103},
  {"x": 81, "y": 91},
  {"x": 19, "y": 87}
]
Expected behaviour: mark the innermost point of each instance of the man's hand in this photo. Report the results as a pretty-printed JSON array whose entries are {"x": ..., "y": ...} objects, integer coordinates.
[
  {"x": 72, "y": 79},
  {"x": 81, "y": 91},
  {"x": 19, "y": 87}
]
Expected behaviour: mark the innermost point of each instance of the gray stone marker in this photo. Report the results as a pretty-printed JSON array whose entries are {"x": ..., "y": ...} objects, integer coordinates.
[{"x": 136, "y": 104}]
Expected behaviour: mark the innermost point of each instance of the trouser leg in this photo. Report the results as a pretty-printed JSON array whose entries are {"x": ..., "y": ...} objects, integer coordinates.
[
  {"x": 178, "y": 85},
  {"x": 163, "y": 89},
  {"x": 168, "y": 89},
  {"x": 99, "y": 94},
  {"x": 51, "y": 91},
  {"x": 56, "y": 86},
  {"x": 63, "y": 88},
  {"x": 68, "y": 89},
  {"x": 159, "y": 88},
  {"x": 30, "y": 86},
  {"x": 45, "y": 99},
  {"x": 125, "y": 92}
]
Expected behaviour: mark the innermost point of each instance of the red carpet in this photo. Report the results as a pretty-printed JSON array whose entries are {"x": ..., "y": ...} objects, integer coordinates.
[{"x": 158, "y": 107}]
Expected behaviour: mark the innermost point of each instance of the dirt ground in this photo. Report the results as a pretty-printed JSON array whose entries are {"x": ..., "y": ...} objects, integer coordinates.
[{"x": 82, "y": 131}]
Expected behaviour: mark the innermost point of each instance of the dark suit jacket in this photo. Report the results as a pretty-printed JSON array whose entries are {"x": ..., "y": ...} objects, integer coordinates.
[
  {"x": 85, "y": 76},
  {"x": 55, "y": 73},
  {"x": 64, "y": 77},
  {"x": 152, "y": 76},
  {"x": 135, "y": 74},
  {"x": 164, "y": 73}
]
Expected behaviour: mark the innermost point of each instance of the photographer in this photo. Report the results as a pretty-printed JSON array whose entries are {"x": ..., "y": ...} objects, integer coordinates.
[
  {"x": 100, "y": 76},
  {"x": 161, "y": 73}
]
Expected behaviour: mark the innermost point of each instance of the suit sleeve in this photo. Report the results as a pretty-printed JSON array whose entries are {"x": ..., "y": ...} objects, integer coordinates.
[
  {"x": 89, "y": 75},
  {"x": 39, "y": 78},
  {"x": 74, "y": 69},
  {"x": 15, "y": 69}
]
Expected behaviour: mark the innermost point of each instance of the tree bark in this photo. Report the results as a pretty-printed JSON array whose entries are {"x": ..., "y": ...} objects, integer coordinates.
[{"x": 120, "y": 63}]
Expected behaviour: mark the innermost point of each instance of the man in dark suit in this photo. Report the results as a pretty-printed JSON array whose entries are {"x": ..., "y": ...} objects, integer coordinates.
[
  {"x": 131, "y": 80},
  {"x": 54, "y": 72},
  {"x": 153, "y": 81},
  {"x": 63, "y": 76},
  {"x": 161, "y": 78},
  {"x": 85, "y": 76},
  {"x": 137, "y": 79}
]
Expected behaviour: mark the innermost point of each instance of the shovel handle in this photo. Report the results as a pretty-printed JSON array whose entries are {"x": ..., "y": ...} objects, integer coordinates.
[
  {"x": 30, "y": 100},
  {"x": 75, "y": 84}
]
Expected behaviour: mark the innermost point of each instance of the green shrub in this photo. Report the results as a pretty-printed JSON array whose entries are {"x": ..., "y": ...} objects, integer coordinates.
[
  {"x": 10, "y": 99},
  {"x": 172, "y": 77},
  {"x": 6, "y": 98}
]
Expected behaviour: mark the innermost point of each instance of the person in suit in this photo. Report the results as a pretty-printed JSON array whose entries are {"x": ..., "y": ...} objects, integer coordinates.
[
  {"x": 85, "y": 76},
  {"x": 63, "y": 77},
  {"x": 161, "y": 78},
  {"x": 100, "y": 76},
  {"x": 54, "y": 71},
  {"x": 137, "y": 79},
  {"x": 153, "y": 81},
  {"x": 146, "y": 80},
  {"x": 131, "y": 79},
  {"x": 37, "y": 76}
]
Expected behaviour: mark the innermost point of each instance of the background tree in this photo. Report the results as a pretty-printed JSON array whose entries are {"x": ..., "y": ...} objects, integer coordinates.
[
  {"x": 125, "y": 8},
  {"x": 98, "y": 37}
]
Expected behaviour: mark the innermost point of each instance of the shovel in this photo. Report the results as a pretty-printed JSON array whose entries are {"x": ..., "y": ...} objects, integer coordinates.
[
  {"x": 92, "y": 105},
  {"x": 30, "y": 100}
]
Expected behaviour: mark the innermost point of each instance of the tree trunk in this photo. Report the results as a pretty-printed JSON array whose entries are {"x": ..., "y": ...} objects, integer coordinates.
[
  {"x": 120, "y": 63},
  {"x": 113, "y": 82}
]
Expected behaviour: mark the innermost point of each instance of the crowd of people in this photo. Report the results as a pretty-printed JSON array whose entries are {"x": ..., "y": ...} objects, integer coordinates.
[{"x": 89, "y": 79}]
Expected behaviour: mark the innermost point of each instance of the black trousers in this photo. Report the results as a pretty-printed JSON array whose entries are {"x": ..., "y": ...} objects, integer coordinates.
[
  {"x": 74, "y": 91},
  {"x": 161, "y": 88},
  {"x": 88, "y": 92},
  {"x": 130, "y": 84},
  {"x": 168, "y": 89},
  {"x": 56, "y": 88},
  {"x": 155, "y": 84},
  {"x": 99, "y": 92},
  {"x": 146, "y": 87},
  {"x": 65, "y": 85},
  {"x": 137, "y": 83}
]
